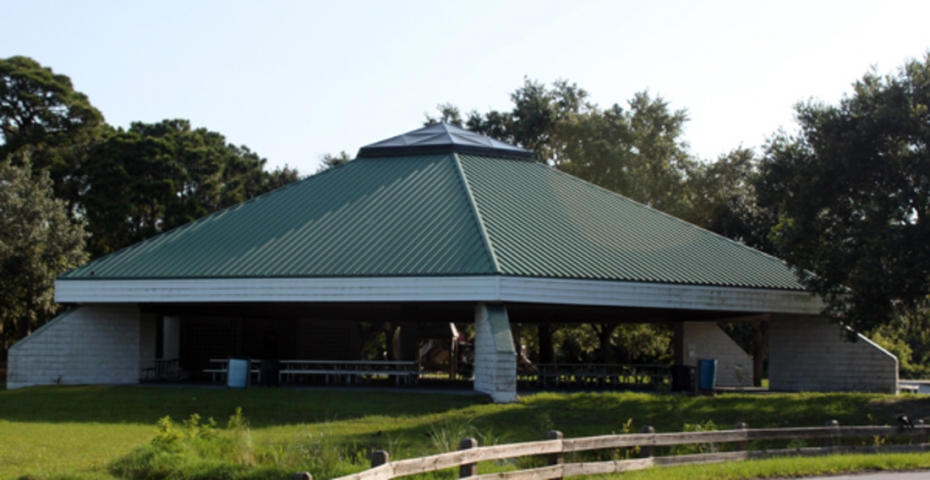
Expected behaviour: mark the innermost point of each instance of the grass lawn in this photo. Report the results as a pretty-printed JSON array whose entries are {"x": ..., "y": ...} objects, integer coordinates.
[{"x": 79, "y": 432}]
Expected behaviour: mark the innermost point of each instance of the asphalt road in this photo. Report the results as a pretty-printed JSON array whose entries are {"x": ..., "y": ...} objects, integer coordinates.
[{"x": 924, "y": 475}]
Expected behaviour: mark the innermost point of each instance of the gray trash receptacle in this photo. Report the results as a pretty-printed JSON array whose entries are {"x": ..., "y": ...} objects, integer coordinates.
[{"x": 238, "y": 373}]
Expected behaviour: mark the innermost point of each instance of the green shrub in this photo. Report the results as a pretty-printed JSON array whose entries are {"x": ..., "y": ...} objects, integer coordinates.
[
  {"x": 707, "y": 426},
  {"x": 193, "y": 450}
]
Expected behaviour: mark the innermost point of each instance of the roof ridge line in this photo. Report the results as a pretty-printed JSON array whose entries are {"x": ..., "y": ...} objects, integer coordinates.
[{"x": 476, "y": 213}]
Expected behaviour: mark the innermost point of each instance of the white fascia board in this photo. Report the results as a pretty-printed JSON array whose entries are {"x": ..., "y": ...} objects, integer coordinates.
[
  {"x": 437, "y": 289},
  {"x": 658, "y": 295},
  {"x": 221, "y": 290}
]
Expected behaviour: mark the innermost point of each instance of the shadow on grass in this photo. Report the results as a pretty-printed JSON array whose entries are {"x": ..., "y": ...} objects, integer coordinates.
[
  {"x": 264, "y": 406},
  {"x": 578, "y": 414}
]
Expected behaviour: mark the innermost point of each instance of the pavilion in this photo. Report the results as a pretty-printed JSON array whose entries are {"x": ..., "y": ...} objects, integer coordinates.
[{"x": 434, "y": 226}]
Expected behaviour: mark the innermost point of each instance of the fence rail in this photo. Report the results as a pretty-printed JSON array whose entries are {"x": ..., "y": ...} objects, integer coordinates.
[{"x": 554, "y": 448}]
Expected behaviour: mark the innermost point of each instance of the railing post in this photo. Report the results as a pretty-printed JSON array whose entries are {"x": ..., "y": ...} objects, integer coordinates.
[
  {"x": 468, "y": 469},
  {"x": 379, "y": 457},
  {"x": 833, "y": 437},
  {"x": 555, "y": 458},
  {"x": 742, "y": 445},
  {"x": 302, "y": 476},
  {"x": 921, "y": 436},
  {"x": 646, "y": 451}
]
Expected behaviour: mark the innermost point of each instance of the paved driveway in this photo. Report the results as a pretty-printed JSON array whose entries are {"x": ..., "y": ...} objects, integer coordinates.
[{"x": 924, "y": 475}]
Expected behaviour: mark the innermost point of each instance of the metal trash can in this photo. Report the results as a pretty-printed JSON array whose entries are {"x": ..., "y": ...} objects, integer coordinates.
[
  {"x": 270, "y": 370},
  {"x": 707, "y": 373},
  {"x": 239, "y": 371}
]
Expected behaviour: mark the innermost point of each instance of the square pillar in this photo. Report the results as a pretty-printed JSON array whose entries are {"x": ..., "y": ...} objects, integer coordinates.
[
  {"x": 495, "y": 354},
  {"x": 171, "y": 346}
]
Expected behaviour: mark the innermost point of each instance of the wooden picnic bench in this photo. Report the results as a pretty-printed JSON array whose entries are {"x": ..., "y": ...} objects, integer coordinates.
[
  {"x": 348, "y": 371},
  {"x": 552, "y": 375},
  {"x": 332, "y": 371}
]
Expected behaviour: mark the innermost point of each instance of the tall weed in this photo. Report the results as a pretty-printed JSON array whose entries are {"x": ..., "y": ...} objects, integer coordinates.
[{"x": 192, "y": 450}]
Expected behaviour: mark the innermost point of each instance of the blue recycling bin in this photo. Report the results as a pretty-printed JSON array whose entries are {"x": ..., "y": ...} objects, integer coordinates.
[{"x": 707, "y": 372}]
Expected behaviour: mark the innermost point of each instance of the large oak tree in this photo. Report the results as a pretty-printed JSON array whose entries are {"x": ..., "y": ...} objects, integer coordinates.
[
  {"x": 38, "y": 241},
  {"x": 852, "y": 191}
]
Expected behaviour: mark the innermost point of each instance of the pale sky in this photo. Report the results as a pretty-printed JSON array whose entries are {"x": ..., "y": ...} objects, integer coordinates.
[{"x": 295, "y": 80}]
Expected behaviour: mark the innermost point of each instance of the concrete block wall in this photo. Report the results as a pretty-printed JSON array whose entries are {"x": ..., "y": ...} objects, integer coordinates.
[
  {"x": 94, "y": 344},
  {"x": 495, "y": 355},
  {"x": 707, "y": 340},
  {"x": 808, "y": 353}
]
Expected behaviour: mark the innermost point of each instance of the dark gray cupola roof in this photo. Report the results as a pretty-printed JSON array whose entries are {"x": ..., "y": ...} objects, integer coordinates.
[{"x": 442, "y": 138}]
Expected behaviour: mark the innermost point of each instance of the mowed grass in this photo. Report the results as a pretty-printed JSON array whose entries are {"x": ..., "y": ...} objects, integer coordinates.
[{"x": 80, "y": 432}]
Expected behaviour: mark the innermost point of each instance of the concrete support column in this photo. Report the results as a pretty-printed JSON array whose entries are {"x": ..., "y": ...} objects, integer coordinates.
[
  {"x": 148, "y": 328},
  {"x": 495, "y": 354},
  {"x": 171, "y": 343}
]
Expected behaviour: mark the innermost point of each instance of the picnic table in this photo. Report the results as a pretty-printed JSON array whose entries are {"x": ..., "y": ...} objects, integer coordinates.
[
  {"x": 164, "y": 369},
  {"x": 331, "y": 371},
  {"x": 339, "y": 371},
  {"x": 552, "y": 375}
]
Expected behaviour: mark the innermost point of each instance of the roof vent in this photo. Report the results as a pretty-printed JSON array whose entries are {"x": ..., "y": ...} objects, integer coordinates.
[{"x": 443, "y": 138}]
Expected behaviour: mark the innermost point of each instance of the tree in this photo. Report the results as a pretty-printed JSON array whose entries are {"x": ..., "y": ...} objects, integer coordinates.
[
  {"x": 852, "y": 192},
  {"x": 724, "y": 200},
  {"x": 448, "y": 113},
  {"x": 636, "y": 151},
  {"x": 328, "y": 161},
  {"x": 38, "y": 241},
  {"x": 536, "y": 121},
  {"x": 43, "y": 119},
  {"x": 154, "y": 177}
]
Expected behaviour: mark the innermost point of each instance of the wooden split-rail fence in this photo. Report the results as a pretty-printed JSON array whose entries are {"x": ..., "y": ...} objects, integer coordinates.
[{"x": 554, "y": 448}]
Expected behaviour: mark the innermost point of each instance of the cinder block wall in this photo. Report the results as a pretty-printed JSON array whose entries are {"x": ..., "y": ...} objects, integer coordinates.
[
  {"x": 495, "y": 355},
  {"x": 707, "y": 340},
  {"x": 94, "y": 344},
  {"x": 810, "y": 354}
]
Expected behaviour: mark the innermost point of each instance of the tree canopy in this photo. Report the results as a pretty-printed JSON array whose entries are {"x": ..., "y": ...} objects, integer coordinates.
[
  {"x": 44, "y": 119},
  {"x": 122, "y": 185},
  {"x": 127, "y": 184},
  {"x": 637, "y": 150},
  {"x": 38, "y": 241},
  {"x": 155, "y": 177},
  {"x": 852, "y": 194}
]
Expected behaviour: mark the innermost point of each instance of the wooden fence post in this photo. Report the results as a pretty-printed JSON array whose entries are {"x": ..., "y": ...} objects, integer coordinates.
[
  {"x": 555, "y": 458},
  {"x": 468, "y": 469},
  {"x": 833, "y": 438},
  {"x": 302, "y": 476},
  {"x": 921, "y": 436},
  {"x": 644, "y": 450},
  {"x": 379, "y": 457},
  {"x": 743, "y": 445}
]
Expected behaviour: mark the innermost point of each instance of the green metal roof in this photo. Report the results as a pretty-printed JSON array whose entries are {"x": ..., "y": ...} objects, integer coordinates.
[
  {"x": 542, "y": 222},
  {"x": 444, "y": 215},
  {"x": 406, "y": 216}
]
